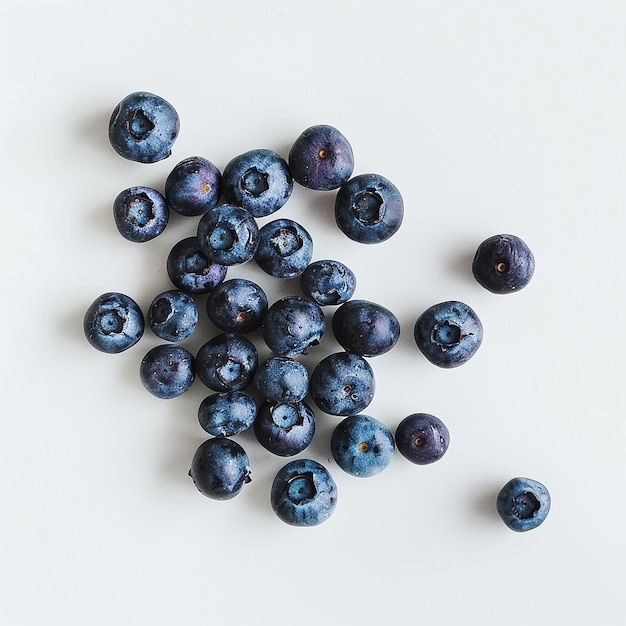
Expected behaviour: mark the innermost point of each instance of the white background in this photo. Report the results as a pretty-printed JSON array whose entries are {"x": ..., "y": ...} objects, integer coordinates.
[{"x": 489, "y": 117}]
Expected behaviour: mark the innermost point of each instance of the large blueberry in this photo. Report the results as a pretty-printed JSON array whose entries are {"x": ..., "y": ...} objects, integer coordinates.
[
  {"x": 292, "y": 325},
  {"x": 321, "y": 158},
  {"x": 303, "y": 493},
  {"x": 366, "y": 328},
  {"x": 173, "y": 315},
  {"x": 190, "y": 269},
  {"x": 259, "y": 181},
  {"x": 362, "y": 446},
  {"x": 285, "y": 248},
  {"x": 140, "y": 214},
  {"x": 113, "y": 322},
  {"x": 227, "y": 413},
  {"x": 422, "y": 438},
  {"x": 193, "y": 187},
  {"x": 237, "y": 305},
  {"x": 285, "y": 428},
  {"x": 220, "y": 468},
  {"x": 523, "y": 504},
  {"x": 143, "y": 127},
  {"x": 449, "y": 333},
  {"x": 342, "y": 384},
  {"x": 369, "y": 208},
  {"x": 503, "y": 264},
  {"x": 282, "y": 379},
  {"x": 328, "y": 282},
  {"x": 167, "y": 371}
]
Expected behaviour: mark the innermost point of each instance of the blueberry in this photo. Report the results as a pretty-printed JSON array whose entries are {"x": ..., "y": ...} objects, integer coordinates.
[
  {"x": 237, "y": 305},
  {"x": 292, "y": 325},
  {"x": 369, "y": 208},
  {"x": 227, "y": 413},
  {"x": 328, "y": 282},
  {"x": 342, "y": 384},
  {"x": 227, "y": 362},
  {"x": 362, "y": 446},
  {"x": 191, "y": 270},
  {"x": 173, "y": 315},
  {"x": 193, "y": 187},
  {"x": 523, "y": 504},
  {"x": 303, "y": 493},
  {"x": 422, "y": 438},
  {"x": 448, "y": 333},
  {"x": 143, "y": 127},
  {"x": 113, "y": 323},
  {"x": 365, "y": 328},
  {"x": 140, "y": 214},
  {"x": 321, "y": 158},
  {"x": 284, "y": 428},
  {"x": 220, "y": 468},
  {"x": 282, "y": 379},
  {"x": 228, "y": 235},
  {"x": 503, "y": 264},
  {"x": 167, "y": 371},
  {"x": 285, "y": 248},
  {"x": 259, "y": 181}
]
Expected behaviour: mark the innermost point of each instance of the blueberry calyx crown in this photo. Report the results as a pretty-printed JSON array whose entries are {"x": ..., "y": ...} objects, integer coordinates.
[{"x": 369, "y": 207}]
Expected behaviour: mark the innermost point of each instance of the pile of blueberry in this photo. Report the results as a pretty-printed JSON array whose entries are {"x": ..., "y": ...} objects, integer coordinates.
[{"x": 368, "y": 209}]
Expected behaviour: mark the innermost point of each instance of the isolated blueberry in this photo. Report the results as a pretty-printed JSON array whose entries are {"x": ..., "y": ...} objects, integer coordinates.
[
  {"x": 285, "y": 248},
  {"x": 173, "y": 315},
  {"x": 220, "y": 468},
  {"x": 422, "y": 438},
  {"x": 282, "y": 379},
  {"x": 523, "y": 504},
  {"x": 342, "y": 384},
  {"x": 284, "y": 428},
  {"x": 292, "y": 325},
  {"x": 369, "y": 208},
  {"x": 366, "y": 328},
  {"x": 190, "y": 269},
  {"x": 228, "y": 235},
  {"x": 259, "y": 181},
  {"x": 143, "y": 127},
  {"x": 448, "y": 334},
  {"x": 140, "y": 214},
  {"x": 227, "y": 413},
  {"x": 113, "y": 322},
  {"x": 362, "y": 446},
  {"x": 227, "y": 362},
  {"x": 328, "y": 282},
  {"x": 193, "y": 187},
  {"x": 237, "y": 305},
  {"x": 303, "y": 493},
  {"x": 167, "y": 371},
  {"x": 321, "y": 158},
  {"x": 503, "y": 264}
]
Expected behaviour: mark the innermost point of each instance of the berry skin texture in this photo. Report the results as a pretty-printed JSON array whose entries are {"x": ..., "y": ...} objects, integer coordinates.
[
  {"x": 259, "y": 181},
  {"x": 328, "y": 282},
  {"x": 523, "y": 504},
  {"x": 285, "y": 428},
  {"x": 369, "y": 208},
  {"x": 113, "y": 323},
  {"x": 167, "y": 371},
  {"x": 503, "y": 264},
  {"x": 342, "y": 384},
  {"x": 193, "y": 187},
  {"x": 285, "y": 249},
  {"x": 227, "y": 413},
  {"x": 321, "y": 158},
  {"x": 303, "y": 493},
  {"x": 220, "y": 468},
  {"x": 281, "y": 379},
  {"x": 422, "y": 438},
  {"x": 237, "y": 305},
  {"x": 143, "y": 127},
  {"x": 362, "y": 446},
  {"x": 190, "y": 269},
  {"x": 140, "y": 214},
  {"x": 173, "y": 315},
  {"x": 448, "y": 334}
]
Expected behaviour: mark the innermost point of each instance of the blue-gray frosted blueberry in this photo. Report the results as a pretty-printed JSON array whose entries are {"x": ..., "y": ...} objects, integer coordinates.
[
  {"x": 167, "y": 371},
  {"x": 422, "y": 438},
  {"x": 173, "y": 315},
  {"x": 237, "y": 305},
  {"x": 190, "y": 269},
  {"x": 227, "y": 413},
  {"x": 285, "y": 428},
  {"x": 193, "y": 187},
  {"x": 328, "y": 282},
  {"x": 282, "y": 379},
  {"x": 285, "y": 248},
  {"x": 523, "y": 504},
  {"x": 140, "y": 214}
]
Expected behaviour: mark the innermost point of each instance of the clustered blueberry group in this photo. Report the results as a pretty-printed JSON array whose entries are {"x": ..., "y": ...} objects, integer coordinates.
[{"x": 368, "y": 209}]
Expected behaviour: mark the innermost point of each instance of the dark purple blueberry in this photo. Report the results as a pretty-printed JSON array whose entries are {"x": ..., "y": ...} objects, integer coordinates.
[
  {"x": 140, "y": 214},
  {"x": 167, "y": 371},
  {"x": 365, "y": 328},
  {"x": 281, "y": 379},
  {"x": 191, "y": 270},
  {"x": 328, "y": 282},
  {"x": 227, "y": 413},
  {"x": 369, "y": 208},
  {"x": 285, "y": 248},
  {"x": 284, "y": 428},
  {"x": 259, "y": 181},
  {"x": 321, "y": 158},
  {"x": 173, "y": 315},
  {"x": 523, "y": 504},
  {"x": 422, "y": 438},
  {"x": 193, "y": 187},
  {"x": 503, "y": 264},
  {"x": 143, "y": 127},
  {"x": 113, "y": 323},
  {"x": 237, "y": 305}
]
